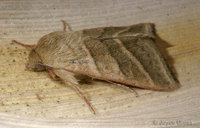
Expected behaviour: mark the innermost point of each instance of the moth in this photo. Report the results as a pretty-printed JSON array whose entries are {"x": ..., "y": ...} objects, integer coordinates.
[{"x": 125, "y": 55}]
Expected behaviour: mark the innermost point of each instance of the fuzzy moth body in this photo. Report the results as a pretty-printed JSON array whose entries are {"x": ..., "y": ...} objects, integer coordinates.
[{"x": 126, "y": 55}]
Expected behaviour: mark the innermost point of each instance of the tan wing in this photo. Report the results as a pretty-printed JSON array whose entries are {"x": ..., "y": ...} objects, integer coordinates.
[
  {"x": 132, "y": 58},
  {"x": 126, "y": 55}
]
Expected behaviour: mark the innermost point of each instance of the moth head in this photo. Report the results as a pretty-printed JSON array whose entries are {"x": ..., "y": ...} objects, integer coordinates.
[{"x": 34, "y": 62}]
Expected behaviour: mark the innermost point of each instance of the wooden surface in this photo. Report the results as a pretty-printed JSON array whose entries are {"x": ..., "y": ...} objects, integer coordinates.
[{"x": 32, "y": 99}]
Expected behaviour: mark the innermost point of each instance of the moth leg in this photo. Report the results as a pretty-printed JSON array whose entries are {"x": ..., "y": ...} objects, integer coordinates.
[
  {"x": 77, "y": 89},
  {"x": 24, "y": 45},
  {"x": 125, "y": 87},
  {"x": 51, "y": 75},
  {"x": 83, "y": 97},
  {"x": 66, "y": 26}
]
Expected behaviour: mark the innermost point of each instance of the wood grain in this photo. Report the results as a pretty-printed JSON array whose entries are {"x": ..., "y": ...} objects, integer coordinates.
[{"x": 31, "y": 99}]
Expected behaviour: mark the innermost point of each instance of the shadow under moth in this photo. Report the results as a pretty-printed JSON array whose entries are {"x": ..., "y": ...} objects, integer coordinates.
[{"x": 125, "y": 55}]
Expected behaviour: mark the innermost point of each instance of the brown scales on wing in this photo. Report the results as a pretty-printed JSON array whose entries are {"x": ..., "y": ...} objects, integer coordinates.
[{"x": 125, "y": 57}]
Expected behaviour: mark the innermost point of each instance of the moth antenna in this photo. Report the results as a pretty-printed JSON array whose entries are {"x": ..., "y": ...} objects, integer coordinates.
[
  {"x": 83, "y": 97},
  {"x": 125, "y": 87},
  {"x": 66, "y": 25},
  {"x": 24, "y": 45}
]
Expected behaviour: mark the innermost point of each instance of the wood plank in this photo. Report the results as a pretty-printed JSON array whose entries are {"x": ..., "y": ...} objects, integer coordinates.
[{"x": 31, "y": 99}]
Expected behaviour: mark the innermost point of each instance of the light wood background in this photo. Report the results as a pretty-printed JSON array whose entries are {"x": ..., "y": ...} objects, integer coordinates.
[{"x": 32, "y": 99}]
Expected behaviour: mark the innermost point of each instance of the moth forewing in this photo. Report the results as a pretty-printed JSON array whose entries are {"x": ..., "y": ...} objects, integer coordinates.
[{"x": 119, "y": 54}]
